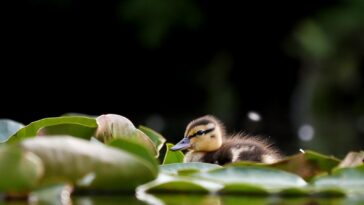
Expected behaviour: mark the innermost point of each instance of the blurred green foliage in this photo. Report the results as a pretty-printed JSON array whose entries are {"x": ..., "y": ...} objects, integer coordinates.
[
  {"x": 155, "y": 19},
  {"x": 330, "y": 93}
]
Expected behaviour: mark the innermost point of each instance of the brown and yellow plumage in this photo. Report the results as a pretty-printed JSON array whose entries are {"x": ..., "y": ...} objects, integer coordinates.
[{"x": 207, "y": 142}]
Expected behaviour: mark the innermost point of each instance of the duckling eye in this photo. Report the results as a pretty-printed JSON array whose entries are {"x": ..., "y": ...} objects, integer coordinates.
[{"x": 200, "y": 132}]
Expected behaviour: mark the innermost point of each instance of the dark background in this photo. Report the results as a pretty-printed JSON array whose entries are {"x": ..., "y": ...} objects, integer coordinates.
[{"x": 163, "y": 63}]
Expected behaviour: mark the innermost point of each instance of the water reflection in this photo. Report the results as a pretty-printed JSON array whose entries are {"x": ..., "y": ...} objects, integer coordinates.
[
  {"x": 13, "y": 202},
  {"x": 107, "y": 200},
  {"x": 254, "y": 200},
  {"x": 187, "y": 199}
]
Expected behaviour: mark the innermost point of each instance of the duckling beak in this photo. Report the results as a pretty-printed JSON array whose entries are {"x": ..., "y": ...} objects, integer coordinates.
[{"x": 181, "y": 145}]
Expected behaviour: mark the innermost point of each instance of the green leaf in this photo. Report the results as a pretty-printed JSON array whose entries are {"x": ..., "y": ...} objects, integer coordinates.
[
  {"x": 175, "y": 168},
  {"x": 74, "y": 130},
  {"x": 348, "y": 180},
  {"x": 20, "y": 170},
  {"x": 157, "y": 139},
  {"x": 172, "y": 156},
  {"x": 89, "y": 165},
  {"x": 135, "y": 149},
  {"x": 237, "y": 188},
  {"x": 260, "y": 177},
  {"x": 8, "y": 128},
  {"x": 231, "y": 180},
  {"x": 112, "y": 126},
  {"x": 186, "y": 172},
  {"x": 296, "y": 192},
  {"x": 307, "y": 164},
  {"x": 328, "y": 192},
  {"x": 313, "y": 40},
  {"x": 186, "y": 186},
  {"x": 33, "y": 128},
  {"x": 179, "y": 184},
  {"x": 145, "y": 141}
]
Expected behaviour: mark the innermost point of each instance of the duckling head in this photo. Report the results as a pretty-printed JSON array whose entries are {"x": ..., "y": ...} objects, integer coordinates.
[{"x": 204, "y": 134}]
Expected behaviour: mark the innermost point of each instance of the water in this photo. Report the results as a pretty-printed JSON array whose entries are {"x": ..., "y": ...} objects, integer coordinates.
[{"x": 189, "y": 199}]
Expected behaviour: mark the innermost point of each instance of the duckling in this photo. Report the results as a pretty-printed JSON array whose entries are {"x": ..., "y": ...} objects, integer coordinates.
[{"x": 206, "y": 140}]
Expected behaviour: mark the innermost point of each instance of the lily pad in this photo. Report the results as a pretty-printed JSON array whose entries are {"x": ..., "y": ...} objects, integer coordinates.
[
  {"x": 157, "y": 139},
  {"x": 307, "y": 164},
  {"x": 172, "y": 156},
  {"x": 229, "y": 180},
  {"x": 20, "y": 170},
  {"x": 296, "y": 192},
  {"x": 33, "y": 128},
  {"x": 174, "y": 168},
  {"x": 89, "y": 165},
  {"x": 269, "y": 179},
  {"x": 186, "y": 186},
  {"x": 75, "y": 130},
  {"x": 237, "y": 188},
  {"x": 348, "y": 180},
  {"x": 135, "y": 149},
  {"x": 328, "y": 192},
  {"x": 179, "y": 184},
  {"x": 8, "y": 128},
  {"x": 181, "y": 199}
]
